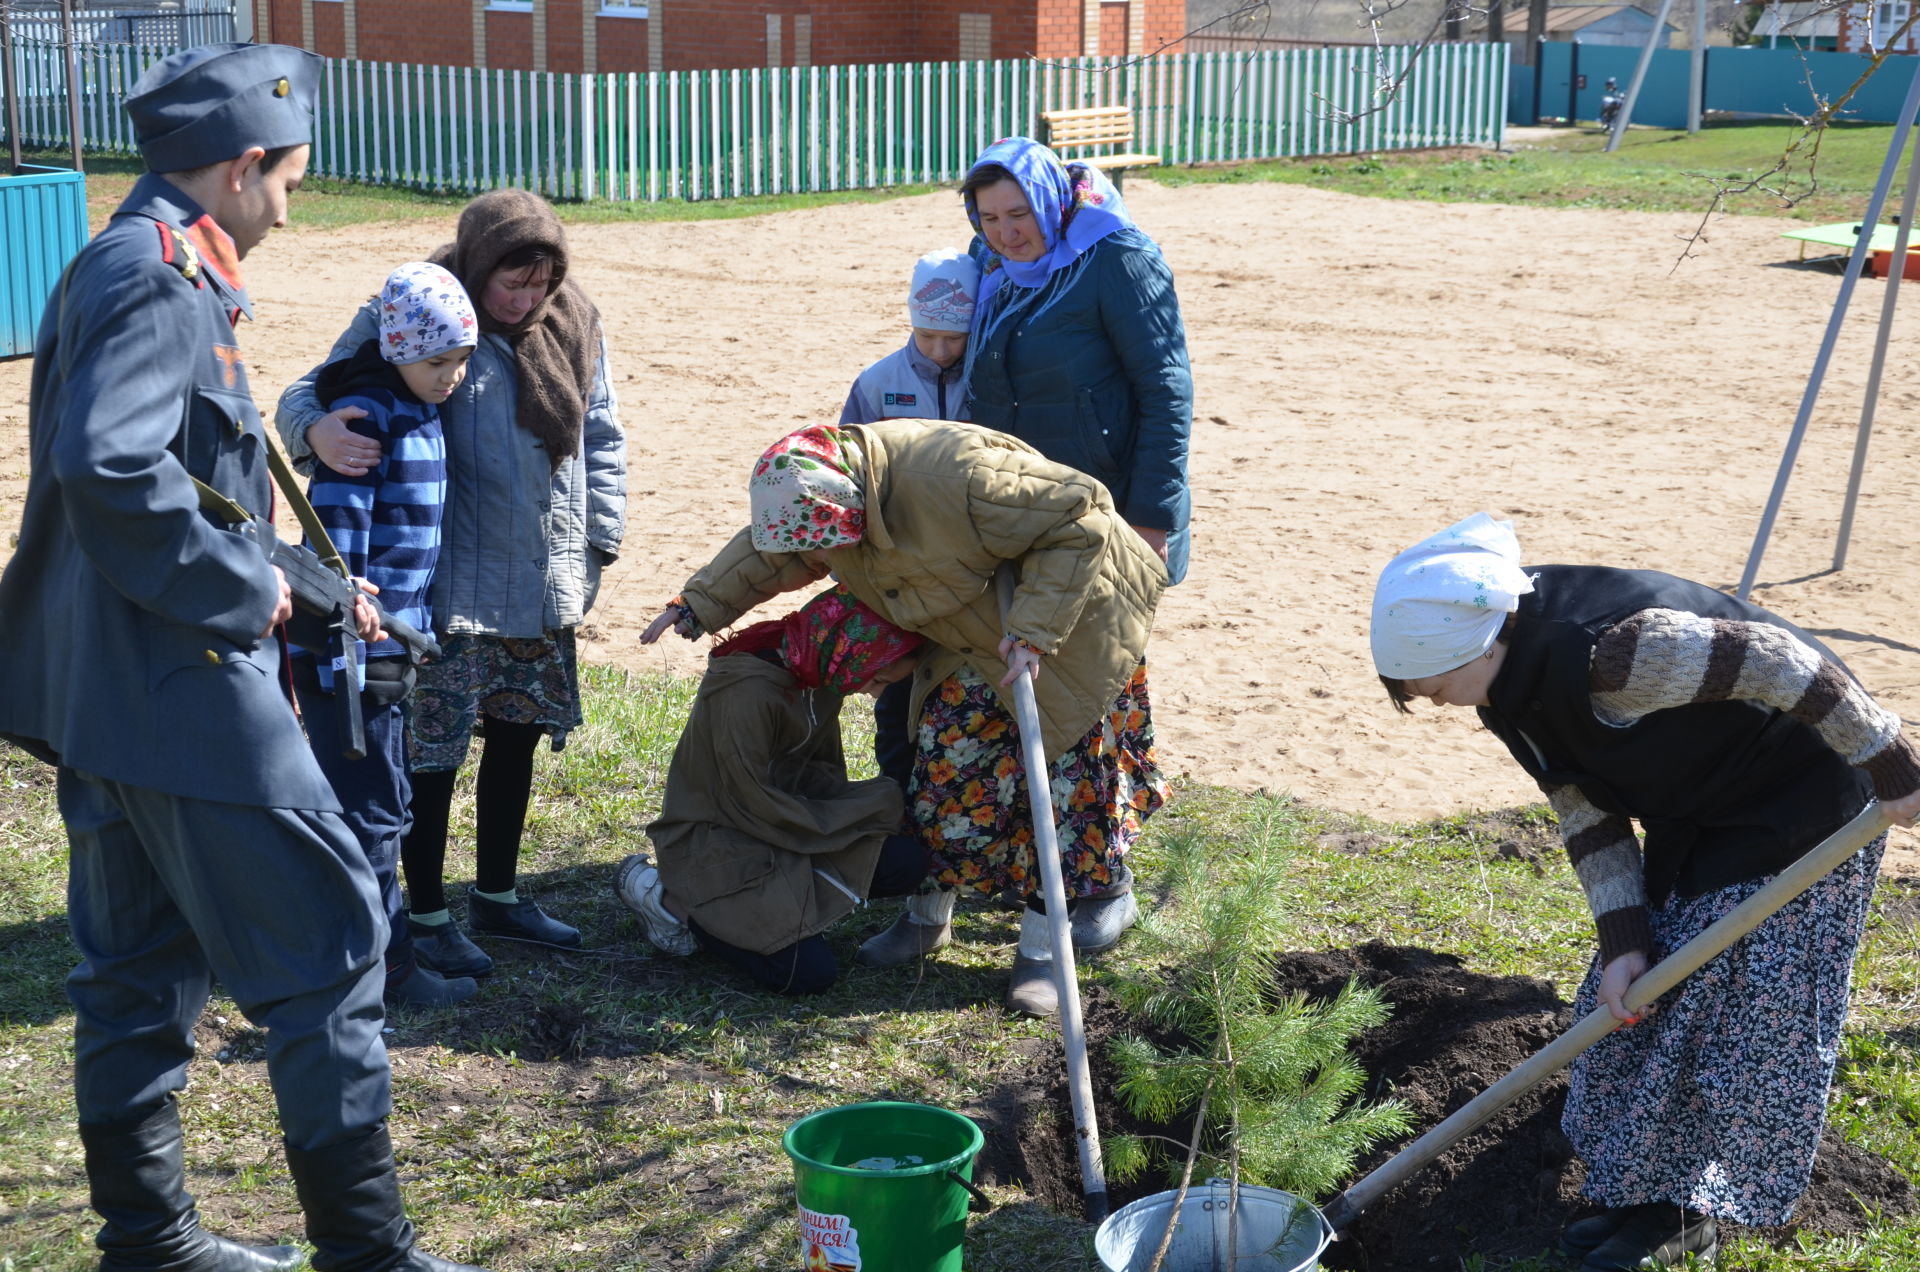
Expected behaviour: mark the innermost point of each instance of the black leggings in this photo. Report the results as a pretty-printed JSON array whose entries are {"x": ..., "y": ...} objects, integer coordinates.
[
  {"x": 808, "y": 966},
  {"x": 501, "y": 792}
]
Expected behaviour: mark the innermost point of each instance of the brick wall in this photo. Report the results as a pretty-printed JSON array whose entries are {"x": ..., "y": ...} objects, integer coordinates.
[
  {"x": 714, "y": 33},
  {"x": 329, "y": 28},
  {"x": 1113, "y": 28},
  {"x": 1009, "y": 23},
  {"x": 1056, "y": 31},
  {"x": 510, "y": 41},
  {"x": 728, "y": 33},
  {"x": 434, "y": 32},
  {"x": 622, "y": 44},
  {"x": 700, "y": 34},
  {"x": 1165, "y": 23},
  {"x": 566, "y": 49},
  {"x": 283, "y": 19}
]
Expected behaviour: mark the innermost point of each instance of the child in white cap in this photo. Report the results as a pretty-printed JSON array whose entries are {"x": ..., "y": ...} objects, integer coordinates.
[
  {"x": 927, "y": 378},
  {"x": 386, "y": 524}
]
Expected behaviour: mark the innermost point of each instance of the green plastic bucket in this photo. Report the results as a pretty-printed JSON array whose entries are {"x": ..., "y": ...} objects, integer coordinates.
[{"x": 883, "y": 1187}]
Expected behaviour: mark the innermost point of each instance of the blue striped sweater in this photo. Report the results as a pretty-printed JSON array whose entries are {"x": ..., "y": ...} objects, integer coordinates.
[{"x": 386, "y": 523}]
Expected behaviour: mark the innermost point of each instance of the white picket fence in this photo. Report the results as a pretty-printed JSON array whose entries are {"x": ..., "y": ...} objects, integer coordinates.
[{"x": 728, "y": 133}]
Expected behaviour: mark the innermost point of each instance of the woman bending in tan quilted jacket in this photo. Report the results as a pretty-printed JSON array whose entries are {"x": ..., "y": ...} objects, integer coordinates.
[{"x": 914, "y": 518}]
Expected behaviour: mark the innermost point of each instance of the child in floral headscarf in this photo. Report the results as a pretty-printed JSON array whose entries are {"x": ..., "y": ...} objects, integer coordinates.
[{"x": 764, "y": 842}]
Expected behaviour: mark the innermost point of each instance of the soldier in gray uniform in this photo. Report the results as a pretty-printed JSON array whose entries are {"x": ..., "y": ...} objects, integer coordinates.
[{"x": 137, "y": 654}]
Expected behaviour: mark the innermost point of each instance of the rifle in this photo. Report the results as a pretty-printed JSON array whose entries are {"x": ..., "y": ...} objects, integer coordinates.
[
  {"x": 323, "y": 596},
  {"x": 323, "y": 619},
  {"x": 327, "y": 596}
]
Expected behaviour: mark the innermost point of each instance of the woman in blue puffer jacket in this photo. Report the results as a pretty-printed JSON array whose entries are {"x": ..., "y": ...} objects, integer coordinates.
[{"x": 1078, "y": 348}]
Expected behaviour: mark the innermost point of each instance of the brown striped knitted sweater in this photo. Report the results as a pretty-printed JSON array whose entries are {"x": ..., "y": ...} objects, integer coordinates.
[{"x": 1660, "y": 658}]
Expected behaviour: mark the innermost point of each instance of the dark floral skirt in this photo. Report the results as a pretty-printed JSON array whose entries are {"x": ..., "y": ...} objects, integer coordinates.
[
  {"x": 968, "y": 794},
  {"x": 510, "y": 679},
  {"x": 1716, "y": 1102}
]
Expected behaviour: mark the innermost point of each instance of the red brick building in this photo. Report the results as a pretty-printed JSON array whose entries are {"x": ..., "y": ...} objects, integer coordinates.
[{"x": 654, "y": 35}]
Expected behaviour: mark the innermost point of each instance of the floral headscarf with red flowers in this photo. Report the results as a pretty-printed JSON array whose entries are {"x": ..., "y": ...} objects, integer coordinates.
[
  {"x": 833, "y": 641},
  {"x": 804, "y": 494}
]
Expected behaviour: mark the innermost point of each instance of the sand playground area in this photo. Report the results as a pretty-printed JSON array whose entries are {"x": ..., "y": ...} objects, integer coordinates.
[{"x": 1366, "y": 371}]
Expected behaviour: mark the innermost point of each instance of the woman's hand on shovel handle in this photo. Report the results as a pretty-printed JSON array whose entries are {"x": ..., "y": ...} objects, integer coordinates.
[
  {"x": 1020, "y": 657},
  {"x": 1903, "y": 811},
  {"x": 1616, "y": 978}
]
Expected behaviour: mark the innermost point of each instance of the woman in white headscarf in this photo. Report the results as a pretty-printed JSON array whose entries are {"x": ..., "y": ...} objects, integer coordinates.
[{"x": 1737, "y": 743}]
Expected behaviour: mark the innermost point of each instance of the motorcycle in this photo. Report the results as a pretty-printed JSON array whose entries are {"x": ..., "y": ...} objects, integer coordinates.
[{"x": 1611, "y": 100}]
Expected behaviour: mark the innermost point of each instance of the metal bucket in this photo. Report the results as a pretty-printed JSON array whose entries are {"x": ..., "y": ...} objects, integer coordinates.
[{"x": 1274, "y": 1232}]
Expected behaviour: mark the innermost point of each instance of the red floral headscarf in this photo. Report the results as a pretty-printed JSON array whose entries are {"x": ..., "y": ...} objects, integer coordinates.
[
  {"x": 804, "y": 494},
  {"x": 833, "y": 641}
]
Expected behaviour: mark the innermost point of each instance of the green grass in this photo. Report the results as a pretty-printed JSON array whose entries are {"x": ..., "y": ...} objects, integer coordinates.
[
  {"x": 1654, "y": 171},
  {"x": 325, "y": 203},
  {"x": 615, "y": 1108}
]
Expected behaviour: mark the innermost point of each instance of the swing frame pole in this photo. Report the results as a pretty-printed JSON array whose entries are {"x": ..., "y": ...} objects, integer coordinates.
[
  {"x": 1870, "y": 403},
  {"x": 1856, "y": 262},
  {"x": 1625, "y": 116}
]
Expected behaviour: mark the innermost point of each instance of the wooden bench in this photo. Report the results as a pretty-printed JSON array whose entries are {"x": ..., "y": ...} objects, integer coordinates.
[{"x": 1092, "y": 127}]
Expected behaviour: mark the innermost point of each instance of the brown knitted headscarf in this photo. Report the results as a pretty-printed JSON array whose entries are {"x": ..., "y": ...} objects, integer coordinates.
[{"x": 557, "y": 345}]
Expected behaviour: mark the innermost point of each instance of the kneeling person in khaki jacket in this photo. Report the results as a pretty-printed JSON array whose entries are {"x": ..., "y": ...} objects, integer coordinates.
[{"x": 763, "y": 841}]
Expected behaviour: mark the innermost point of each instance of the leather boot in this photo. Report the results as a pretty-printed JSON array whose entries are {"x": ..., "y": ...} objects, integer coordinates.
[
  {"x": 1583, "y": 1236},
  {"x": 355, "y": 1220},
  {"x": 444, "y": 948},
  {"x": 523, "y": 921},
  {"x": 137, "y": 1177},
  {"x": 1654, "y": 1236},
  {"x": 423, "y": 987}
]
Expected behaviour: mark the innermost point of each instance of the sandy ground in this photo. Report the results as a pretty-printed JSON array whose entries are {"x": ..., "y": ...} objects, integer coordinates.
[{"x": 1366, "y": 372}]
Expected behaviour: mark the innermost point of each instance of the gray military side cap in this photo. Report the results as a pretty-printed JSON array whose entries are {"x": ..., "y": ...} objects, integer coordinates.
[{"x": 206, "y": 104}]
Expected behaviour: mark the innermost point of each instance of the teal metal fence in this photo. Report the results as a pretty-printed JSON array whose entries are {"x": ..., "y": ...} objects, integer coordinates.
[
  {"x": 1746, "y": 81},
  {"x": 725, "y": 133},
  {"x": 43, "y": 222}
]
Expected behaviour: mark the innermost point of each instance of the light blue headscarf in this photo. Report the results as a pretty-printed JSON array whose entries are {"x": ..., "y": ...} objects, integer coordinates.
[
  {"x": 1085, "y": 200},
  {"x": 1072, "y": 210}
]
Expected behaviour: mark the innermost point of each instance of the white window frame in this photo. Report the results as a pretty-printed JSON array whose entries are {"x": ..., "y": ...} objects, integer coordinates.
[
  {"x": 623, "y": 8},
  {"x": 509, "y": 6}
]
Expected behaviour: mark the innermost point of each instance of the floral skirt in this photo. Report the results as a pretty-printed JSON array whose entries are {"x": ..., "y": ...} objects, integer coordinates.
[
  {"x": 968, "y": 794},
  {"x": 518, "y": 681},
  {"x": 1717, "y": 1101}
]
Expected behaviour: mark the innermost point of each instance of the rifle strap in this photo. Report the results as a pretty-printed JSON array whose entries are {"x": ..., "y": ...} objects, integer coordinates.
[
  {"x": 303, "y": 512},
  {"x": 218, "y": 504},
  {"x": 232, "y": 513}
]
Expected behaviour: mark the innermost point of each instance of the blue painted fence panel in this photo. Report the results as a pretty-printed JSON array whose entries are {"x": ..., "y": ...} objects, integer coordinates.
[
  {"x": 43, "y": 222},
  {"x": 1520, "y": 82},
  {"x": 1746, "y": 81},
  {"x": 1663, "y": 98},
  {"x": 1774, "y": 82}
]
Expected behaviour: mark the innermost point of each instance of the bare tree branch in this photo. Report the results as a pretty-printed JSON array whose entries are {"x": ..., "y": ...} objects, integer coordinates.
[
  {"x": 1777, "y": 181},
  {"x": 1387, "y": 85}
]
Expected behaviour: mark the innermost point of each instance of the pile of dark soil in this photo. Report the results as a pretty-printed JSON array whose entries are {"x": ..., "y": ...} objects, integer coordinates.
[{"x": 1504, "y": 1192}]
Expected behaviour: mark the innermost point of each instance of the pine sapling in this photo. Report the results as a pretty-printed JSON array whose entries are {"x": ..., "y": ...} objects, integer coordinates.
[{"x": 1267, "y": 1078}]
